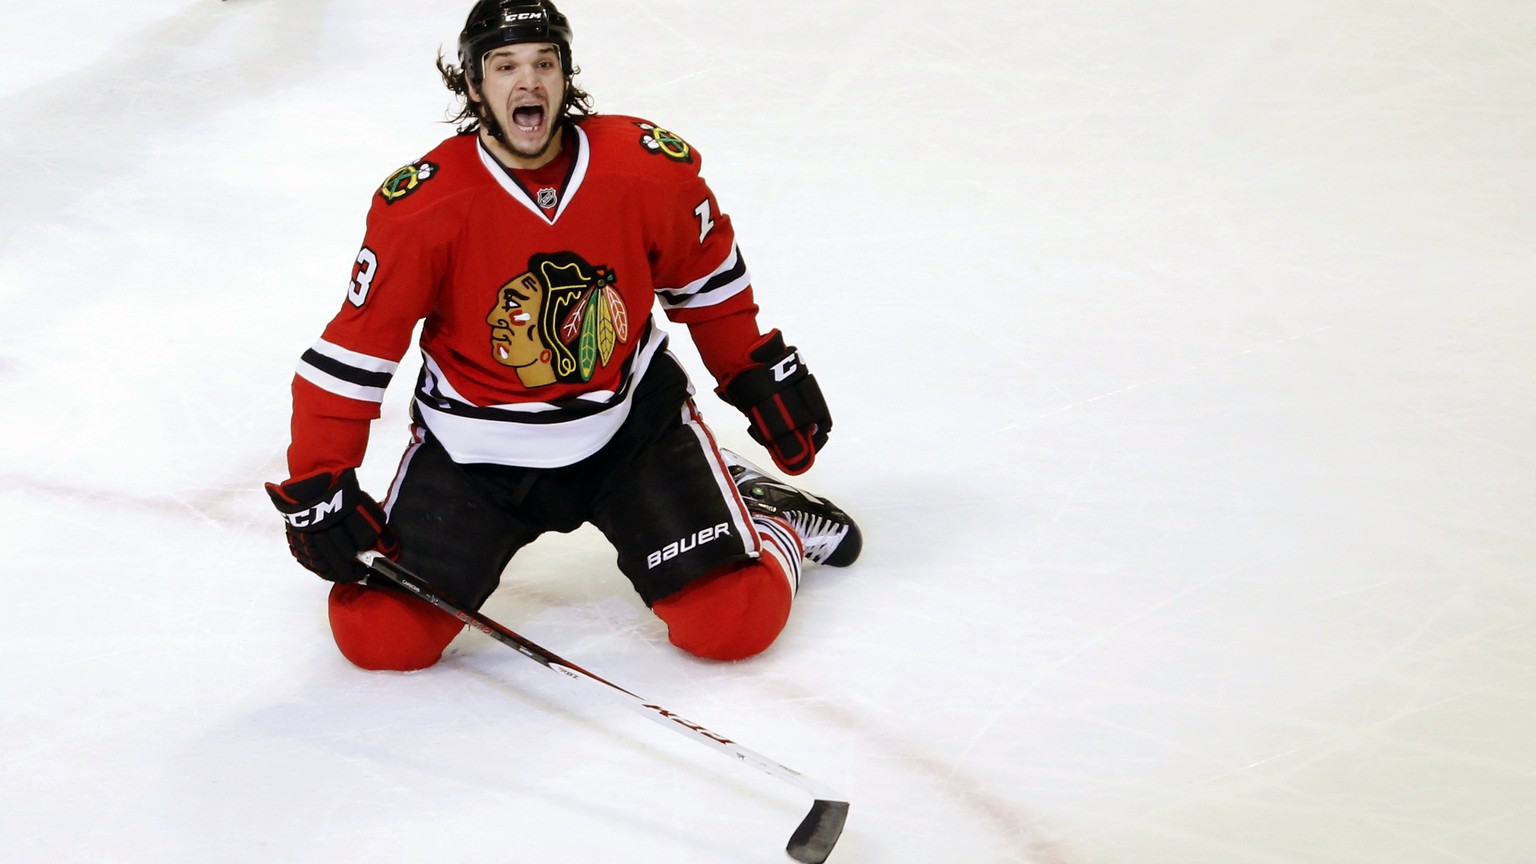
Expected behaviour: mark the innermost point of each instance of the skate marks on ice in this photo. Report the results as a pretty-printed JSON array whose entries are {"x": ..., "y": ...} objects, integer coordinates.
[
  {"x": 1016, "y": 831},
  {"x": 237, "y": 505}
]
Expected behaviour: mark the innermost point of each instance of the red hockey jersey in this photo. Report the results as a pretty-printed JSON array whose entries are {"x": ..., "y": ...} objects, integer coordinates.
[{"x": 537, "y": 326}]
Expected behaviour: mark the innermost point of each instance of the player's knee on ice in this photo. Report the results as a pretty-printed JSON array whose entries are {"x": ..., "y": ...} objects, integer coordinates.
[
  {"x": 729, "y": 615},
  {"x": 385, "y": 630}
]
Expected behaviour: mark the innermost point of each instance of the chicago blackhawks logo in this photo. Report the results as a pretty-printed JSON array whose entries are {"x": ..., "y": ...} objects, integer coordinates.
[
  {"x": 668, "y": 144},
  {"x": 558, "y": 322},
  {"x": 406, "y": 180}
]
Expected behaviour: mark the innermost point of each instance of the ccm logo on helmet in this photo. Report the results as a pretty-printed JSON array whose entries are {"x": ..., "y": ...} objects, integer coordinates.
[
  {"x": 678, "y": 547},
  {"x": 510, "y": 17}
]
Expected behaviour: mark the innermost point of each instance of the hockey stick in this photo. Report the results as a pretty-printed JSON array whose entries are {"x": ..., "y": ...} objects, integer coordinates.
[{"x": 818, "y": 832}]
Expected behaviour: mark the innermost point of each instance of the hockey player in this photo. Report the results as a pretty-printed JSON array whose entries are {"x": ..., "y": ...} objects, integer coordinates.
[{"x": 532, "y": 248}]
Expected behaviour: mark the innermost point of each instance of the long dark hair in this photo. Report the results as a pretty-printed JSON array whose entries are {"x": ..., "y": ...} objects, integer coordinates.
[{"x": 472, "y": 115}]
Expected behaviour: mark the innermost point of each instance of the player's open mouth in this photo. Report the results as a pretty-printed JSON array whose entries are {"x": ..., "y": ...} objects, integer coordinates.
[{"x": 528, "y": 118}]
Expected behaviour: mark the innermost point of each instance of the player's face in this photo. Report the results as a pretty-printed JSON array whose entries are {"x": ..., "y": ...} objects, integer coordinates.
[{"x": 524, "y": 88}]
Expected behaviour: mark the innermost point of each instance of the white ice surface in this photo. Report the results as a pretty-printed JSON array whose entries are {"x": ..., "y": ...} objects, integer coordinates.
[{"x": 1182, "y": 357}]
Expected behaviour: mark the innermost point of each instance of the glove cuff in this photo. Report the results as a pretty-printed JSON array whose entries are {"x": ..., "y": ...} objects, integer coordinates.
[{"x": 777, "y": 368}]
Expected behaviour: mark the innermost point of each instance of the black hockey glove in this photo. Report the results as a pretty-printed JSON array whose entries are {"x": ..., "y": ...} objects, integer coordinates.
[
  {"x": 783, "y": 403},
  {"x": 330, "y": 520}
]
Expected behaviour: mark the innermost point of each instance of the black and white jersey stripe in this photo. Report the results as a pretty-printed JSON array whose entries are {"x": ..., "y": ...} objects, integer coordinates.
[
  {"x": 533, "y": 434},
  {"x": 338, "y": 370},
  {"x": 723, "y": 283}
]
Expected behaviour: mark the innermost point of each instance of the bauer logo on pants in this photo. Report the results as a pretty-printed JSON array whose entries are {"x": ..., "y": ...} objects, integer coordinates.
[{"x": 692, "y": 541}]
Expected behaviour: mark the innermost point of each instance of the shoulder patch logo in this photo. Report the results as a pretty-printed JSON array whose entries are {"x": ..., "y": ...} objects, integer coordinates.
[
  {"x": 406, "y": 180},
  {"x": 668, "y": 144}
]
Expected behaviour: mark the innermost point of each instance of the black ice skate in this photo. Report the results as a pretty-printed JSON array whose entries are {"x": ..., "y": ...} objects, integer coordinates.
[{"x": 829, "y": 535}]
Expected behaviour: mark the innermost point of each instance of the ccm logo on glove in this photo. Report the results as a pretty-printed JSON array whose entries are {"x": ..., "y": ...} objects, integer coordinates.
[
  {"x": 316, "y": 514},
  {"x": 329, "y": 521}
]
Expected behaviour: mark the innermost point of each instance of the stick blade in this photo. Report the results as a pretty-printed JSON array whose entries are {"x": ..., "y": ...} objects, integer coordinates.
[{"x": 812, "y": 842}]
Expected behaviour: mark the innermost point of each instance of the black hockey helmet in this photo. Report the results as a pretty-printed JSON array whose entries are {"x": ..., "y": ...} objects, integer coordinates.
[{"x": 494, "y": 23}]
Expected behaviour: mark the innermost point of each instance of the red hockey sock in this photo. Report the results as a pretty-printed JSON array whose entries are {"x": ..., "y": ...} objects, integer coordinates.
[
  {"x": 729, "y": 614},
  {"x": 380, "y": 629}
]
